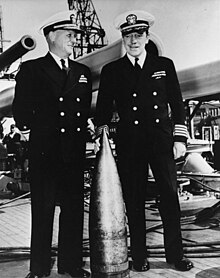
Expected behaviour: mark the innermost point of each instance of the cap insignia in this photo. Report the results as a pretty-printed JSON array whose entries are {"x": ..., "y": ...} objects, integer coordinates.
[
  {"x": 73, "y": 18},
  {"x": 131, "y": 19}
]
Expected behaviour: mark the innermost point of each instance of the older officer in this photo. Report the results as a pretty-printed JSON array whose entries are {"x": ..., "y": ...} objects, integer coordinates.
[
  {"x": 142, "y": 85},
  {"x": 53, "y": 101}
]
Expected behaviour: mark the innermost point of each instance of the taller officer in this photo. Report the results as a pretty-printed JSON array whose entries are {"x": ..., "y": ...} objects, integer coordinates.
[
  {"x": 53, "y": 101},
  {"x": 141, "y": 92}
]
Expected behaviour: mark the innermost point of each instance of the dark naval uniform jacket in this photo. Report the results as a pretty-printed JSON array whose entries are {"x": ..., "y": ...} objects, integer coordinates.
[
  {"x": 144, "y": 107},
  {"x": 55, "y": 110},
  {"x": 151, "y": 117},
  {"x": 55, "y": 107}
]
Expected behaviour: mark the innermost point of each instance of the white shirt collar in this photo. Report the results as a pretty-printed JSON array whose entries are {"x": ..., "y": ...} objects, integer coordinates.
[
  {"x": 57, "y": 59},
  {"x": 141, "y": 58}
]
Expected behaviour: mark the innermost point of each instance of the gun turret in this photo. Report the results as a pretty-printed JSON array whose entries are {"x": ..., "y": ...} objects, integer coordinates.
[{"x": 17, "y": 50}]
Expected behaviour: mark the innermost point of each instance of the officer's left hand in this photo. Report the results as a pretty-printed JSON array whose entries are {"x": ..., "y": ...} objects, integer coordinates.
[
  {"x": 97, "y": 145},
  {"x": 179, "y": 150},
  {"x": 91, "y": 128}
]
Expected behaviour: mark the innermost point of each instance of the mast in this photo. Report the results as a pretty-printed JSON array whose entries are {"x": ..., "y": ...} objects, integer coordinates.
[{"x": 94, "y": 35}]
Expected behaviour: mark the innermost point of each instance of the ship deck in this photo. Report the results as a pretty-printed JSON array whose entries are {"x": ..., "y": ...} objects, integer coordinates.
[{"x": 200, "y": 230}]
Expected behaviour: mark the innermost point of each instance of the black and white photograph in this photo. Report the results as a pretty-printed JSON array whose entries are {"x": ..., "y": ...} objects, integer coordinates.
[{"x": 109, "y": 138}]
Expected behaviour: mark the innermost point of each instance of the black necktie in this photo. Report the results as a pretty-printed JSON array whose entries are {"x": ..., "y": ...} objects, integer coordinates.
[
  {"x": 137, "y": 68},
  {"x": 65, "y": 69}
]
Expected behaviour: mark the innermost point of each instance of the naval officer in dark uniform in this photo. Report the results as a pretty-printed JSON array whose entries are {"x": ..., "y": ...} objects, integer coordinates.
[
  {"x": 142, "y": 86},
  {"x": 52, "y": 99}
]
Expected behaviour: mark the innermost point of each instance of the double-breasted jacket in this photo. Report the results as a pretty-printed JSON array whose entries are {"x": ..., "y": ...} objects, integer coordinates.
[
  {"x": 54, "y": 107},
  {"x": 150, "y": 110}
]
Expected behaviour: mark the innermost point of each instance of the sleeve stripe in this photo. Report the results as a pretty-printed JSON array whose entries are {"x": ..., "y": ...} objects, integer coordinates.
[{"x": 180, "y": 130}]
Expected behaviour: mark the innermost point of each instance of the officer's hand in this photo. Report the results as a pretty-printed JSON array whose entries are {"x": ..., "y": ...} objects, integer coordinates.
[
  {"x": 179, "y": 150},
  {"x": 97, "y": 145},
  {"x": 98, "y": 133},
  {"x": 91, "y": 128}
]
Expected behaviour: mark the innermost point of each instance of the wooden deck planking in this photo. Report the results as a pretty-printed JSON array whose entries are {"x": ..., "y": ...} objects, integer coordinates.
[{"x": 15, "y": 223}]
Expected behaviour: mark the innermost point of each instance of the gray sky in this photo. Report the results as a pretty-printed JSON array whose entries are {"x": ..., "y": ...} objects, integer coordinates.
[{"x": 189, "y": 30}]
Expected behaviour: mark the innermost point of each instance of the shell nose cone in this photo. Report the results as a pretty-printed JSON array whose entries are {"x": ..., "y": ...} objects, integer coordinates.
[
  {"x": 107, "y": 222},
  {"x": 106, "y": 192}
]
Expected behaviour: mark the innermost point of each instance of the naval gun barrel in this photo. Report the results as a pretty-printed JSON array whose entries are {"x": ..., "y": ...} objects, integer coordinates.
[{"x": 25, "y": 44}]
